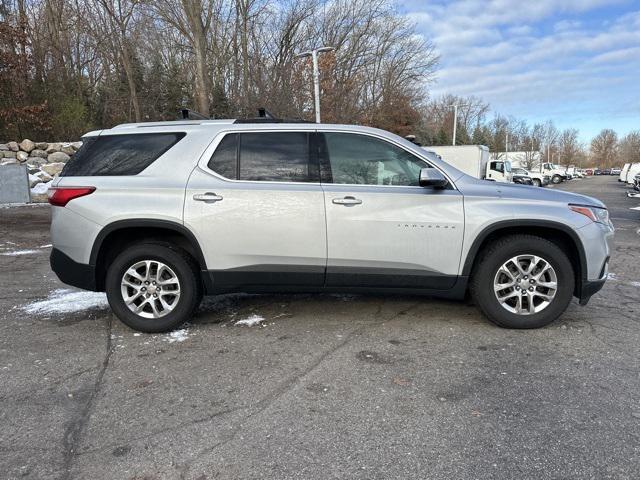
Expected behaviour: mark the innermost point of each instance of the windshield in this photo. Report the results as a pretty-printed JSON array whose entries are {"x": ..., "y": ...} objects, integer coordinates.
[{"x": 507, "y": 166}]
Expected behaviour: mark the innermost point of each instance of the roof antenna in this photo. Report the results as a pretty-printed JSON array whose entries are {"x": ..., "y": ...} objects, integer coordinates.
[
  {"x": 188, "y": 114},
  {"x": 264, "y": 113}
]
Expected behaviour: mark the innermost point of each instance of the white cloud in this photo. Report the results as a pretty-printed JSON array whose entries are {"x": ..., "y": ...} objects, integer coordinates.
[{"x": 548, "y": 58}]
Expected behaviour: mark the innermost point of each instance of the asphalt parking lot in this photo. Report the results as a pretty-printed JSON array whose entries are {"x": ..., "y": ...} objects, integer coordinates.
[{"x": 332, "y": 386}]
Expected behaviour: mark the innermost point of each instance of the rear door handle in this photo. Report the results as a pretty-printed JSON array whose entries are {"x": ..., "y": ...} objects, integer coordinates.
[
  {"x": 208, "y": 197},
  {"x": 347, "y": 201}
]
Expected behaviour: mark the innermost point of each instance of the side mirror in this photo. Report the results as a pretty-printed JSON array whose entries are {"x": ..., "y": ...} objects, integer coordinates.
[{"x": 431, "y": 177}]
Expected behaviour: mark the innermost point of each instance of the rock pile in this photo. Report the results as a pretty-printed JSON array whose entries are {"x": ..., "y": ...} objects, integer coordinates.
[{"x": 43, "y": 160}]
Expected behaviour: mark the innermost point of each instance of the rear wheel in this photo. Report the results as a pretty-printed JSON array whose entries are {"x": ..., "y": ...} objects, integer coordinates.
[
  {"x": 556, "y": 179},
  {"x": 536, "y": 182},
  {"x": 153, "y": 287},
  {"x": 523, "y": 281}
]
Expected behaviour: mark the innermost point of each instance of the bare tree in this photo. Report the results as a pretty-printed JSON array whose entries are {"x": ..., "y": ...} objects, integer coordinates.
[
  {"x": 630, "y": 147},
  {"x": 569, "y": 147},
  {"x": 604, "y": 148}
]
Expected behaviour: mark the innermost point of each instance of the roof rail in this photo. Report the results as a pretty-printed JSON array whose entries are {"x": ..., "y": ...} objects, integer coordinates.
[
  {"x": 188, "y": 114},
  {"x": 265, "y": 116}
]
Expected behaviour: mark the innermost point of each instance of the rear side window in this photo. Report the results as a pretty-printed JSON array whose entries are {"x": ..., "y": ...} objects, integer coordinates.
[
  {"x": 109, "y": 155},
  {"x": 267, "y": 157}
]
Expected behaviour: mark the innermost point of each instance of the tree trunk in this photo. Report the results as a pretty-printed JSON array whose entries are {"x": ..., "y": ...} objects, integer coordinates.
[
  {"x": 131, "y": 81},
  {"x": 193, "y": 11}
]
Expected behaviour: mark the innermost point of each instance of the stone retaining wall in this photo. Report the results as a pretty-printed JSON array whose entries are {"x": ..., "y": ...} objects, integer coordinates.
[{"x": 43, "y": 160}]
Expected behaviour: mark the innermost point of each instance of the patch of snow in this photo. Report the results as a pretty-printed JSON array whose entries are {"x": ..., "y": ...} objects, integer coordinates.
[
  {"x": 65, "y": 300},
  {"x": 48, "y": 245},
  {"x": 41, "y": 188},
  {"x": 634, "y": 284},
  {"x": 13, "y": 205},
  {"x": 16, "y": 253},
  {"x": 251, "y": 321},
  {"x": 612, "y": 276},
  {"x": 178, "y": 335}
]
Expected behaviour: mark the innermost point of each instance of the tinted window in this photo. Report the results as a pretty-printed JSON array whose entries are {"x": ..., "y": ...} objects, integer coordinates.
[
  {"x": 365, "y": 160},
  {"x": 224, "y": 160},
  {"x": 119, "y": 154},
  {"x": 276, "y": 157}
]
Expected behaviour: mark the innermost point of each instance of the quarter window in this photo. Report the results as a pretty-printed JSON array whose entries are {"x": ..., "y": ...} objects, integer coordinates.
[
  {"x": 224, "y": 160},
  {"x": 266, "y": 156},
  {"x": 364, "y": 160},
  {"x": 128, "y": 154}
]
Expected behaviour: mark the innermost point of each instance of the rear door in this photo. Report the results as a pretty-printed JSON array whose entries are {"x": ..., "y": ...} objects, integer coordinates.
[
  {"x": 383, "y": 229},
  {"x": 257, "y": 207}
]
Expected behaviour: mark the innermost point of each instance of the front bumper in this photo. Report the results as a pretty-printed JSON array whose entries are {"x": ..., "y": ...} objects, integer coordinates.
[{"x": 71, "y": 272}]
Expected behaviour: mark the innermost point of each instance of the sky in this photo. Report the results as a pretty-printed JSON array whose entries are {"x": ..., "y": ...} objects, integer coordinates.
[{"x": 576, "y": 62}]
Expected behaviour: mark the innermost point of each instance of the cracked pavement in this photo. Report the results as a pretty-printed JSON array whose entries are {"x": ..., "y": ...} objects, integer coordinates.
[{"x": 328, "y": 386}]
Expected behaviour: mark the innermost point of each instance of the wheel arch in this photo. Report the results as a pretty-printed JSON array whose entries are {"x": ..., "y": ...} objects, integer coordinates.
[
  {"x": 117, "y": 235},
  {"x": 562, "y": 235}
]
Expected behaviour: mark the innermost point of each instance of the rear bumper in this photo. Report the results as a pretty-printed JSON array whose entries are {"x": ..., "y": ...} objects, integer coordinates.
[{"x": 71, "y": 272}]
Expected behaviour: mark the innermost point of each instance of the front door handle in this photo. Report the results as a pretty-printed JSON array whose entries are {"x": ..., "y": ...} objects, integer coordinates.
[
  {"x": 208, "y": 197},
  {"x": 347, "y": 201}
]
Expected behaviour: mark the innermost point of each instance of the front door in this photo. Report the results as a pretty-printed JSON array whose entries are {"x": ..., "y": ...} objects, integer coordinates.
[
  {"x": 383, "y": 229},
  {"x": 257, "y": 209}
]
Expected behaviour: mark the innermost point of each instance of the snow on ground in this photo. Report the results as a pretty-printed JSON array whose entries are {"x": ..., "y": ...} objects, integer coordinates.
[
  {"x": 41, "y": 188},
  {"x": 635, "y": 284},
  {"x": 15, "y": 253},
  {"x": 177, "y": 335},
  {"x": 251, "y": 321},
  {"x": 65, "y": 300},
  {"x": 612, "y": 276}
]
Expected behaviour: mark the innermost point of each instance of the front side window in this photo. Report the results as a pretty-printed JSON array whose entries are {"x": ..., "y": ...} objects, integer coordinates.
[
  {"x": 266, "y": 156},
  {"x": 497, "y": 166},
  {"x": 365, "y": 160}
]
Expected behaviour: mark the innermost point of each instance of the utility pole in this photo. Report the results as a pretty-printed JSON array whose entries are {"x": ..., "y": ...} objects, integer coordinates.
[
  {"x": 506, "y": 147},
  {"x": 455, "y": 120},
  {"x": 316, "y": 74}
]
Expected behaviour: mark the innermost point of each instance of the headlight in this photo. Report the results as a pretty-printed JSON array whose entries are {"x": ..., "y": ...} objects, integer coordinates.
[{"x": 597, "y": 214}]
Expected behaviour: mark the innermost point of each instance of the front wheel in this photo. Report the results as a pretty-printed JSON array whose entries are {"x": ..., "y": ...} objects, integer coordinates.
[
  {"x": 523, "y": 281},
  {"x": 556, "y": 179},
  {"x": 153, "y": 288},
  {"x": 536, "y": 182}
]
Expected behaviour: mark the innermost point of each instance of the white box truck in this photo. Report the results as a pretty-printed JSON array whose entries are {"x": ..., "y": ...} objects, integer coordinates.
[{"x": 474, "y": 160}]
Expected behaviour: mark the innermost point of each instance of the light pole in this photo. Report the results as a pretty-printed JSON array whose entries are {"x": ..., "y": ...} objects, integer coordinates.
[
  {"x": 506, "y": 147},
  {"x": 316, "y": 74},
  {"x": 455, "y": 119}
]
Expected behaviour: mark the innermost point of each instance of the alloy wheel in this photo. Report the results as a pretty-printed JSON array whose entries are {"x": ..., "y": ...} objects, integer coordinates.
[
  {"x": 150, "y": 289},
  {"x": 525, "y": 284}
]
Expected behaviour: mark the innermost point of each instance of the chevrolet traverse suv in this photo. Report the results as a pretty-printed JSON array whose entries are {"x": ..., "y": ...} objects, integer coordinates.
[{"x": 160, "y": 214}]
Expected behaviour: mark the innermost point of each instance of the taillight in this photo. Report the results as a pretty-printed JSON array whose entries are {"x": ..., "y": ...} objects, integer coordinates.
[{"x": 60, "y": 196}]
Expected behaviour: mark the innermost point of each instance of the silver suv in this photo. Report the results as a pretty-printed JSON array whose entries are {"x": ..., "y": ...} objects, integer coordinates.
[{"x": 158, "y": 214}]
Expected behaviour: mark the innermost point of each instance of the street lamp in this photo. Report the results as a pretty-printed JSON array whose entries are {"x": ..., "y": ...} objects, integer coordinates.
[
  {"x": 316, "y": 74},
  {"x": 455, "y": 119}
]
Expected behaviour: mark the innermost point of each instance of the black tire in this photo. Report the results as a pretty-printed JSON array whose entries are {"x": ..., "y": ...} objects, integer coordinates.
[
  {"x": 186, "y": 271},
  {"x": 499, "y": 252},
  {"x": 536, "y": 182},
  {"x": 556, "y": 179}
]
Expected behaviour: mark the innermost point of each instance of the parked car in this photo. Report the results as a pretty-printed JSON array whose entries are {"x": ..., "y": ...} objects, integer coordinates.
[
  {"x": 615, "y": 171},
  {"x": 606, "y": 171},
  {"x": 537, "y": 179},
  {"x": 588, "y": 172},
  {"x": 522, "y": 180},
  {"x": 159, "y": 214}
]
